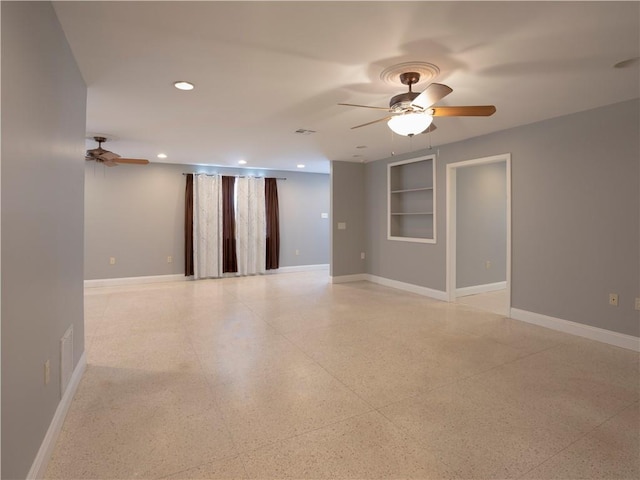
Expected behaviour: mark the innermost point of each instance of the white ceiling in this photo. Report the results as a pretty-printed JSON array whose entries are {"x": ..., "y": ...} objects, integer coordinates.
[{"x": 265, "y": 69}]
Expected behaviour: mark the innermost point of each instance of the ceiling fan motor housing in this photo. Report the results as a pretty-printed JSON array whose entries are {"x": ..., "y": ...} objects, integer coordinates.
[
  {"x": 100, "y": 154},
  {"x": 402, "y": 101},
  {"x": 95, "y": 152},
  {"x": 107, "y": 156}
]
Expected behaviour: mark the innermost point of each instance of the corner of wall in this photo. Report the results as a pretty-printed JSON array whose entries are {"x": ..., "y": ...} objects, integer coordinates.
[{"x": 348, "y": 219}]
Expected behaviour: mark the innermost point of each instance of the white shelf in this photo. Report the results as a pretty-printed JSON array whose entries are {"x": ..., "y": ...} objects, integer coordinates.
[
  {"x": 412, "y": 213},
  {"x": 412, "y": 239}
]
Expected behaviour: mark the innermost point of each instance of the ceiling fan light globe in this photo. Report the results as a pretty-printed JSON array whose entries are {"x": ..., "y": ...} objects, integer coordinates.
[{"x": 410, "y": 123}]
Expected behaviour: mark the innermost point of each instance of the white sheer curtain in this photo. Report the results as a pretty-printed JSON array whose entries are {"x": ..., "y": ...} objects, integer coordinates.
[
  {"x": 250, "y": 225},
  {"x": 207, "y": 226}
]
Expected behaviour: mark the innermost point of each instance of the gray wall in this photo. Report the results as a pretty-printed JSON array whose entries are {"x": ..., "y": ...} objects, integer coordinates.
[
  {"x": 303, "y": 198},
  {"x": 43, "y": 128},
  {"x": 481, "y": 224},
  {"x": 136, "y": 214},
  {"x": 575, "y": 216},
  {"x": 420, "y": 264},
  {"x": 347, "y": 206}
]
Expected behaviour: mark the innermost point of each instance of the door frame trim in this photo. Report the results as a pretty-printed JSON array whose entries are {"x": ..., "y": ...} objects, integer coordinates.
[{"x": 451, "y": 220}]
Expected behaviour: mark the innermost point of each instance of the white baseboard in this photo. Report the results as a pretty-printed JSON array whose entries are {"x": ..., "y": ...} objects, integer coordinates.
[
  {"x": 476, "y": 289},
  {"x": 587, "y": 331},
  {"x": 358, "y": 277},
  {"x": 409, "y": 287},
  {"x": 300, "y": 268},
  {"x": 179, "y": 277},
  {"x": 39, "y": 466},
  {"x": 115, "y": 282}
]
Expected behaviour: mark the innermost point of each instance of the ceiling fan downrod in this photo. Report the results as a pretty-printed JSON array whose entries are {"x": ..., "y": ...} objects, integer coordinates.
[{"x": 100, "y": 141}]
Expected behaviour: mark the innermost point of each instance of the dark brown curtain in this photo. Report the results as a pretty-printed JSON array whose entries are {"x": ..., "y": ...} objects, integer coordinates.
[
  {"x": 229, "y": 258},
  {"x": 188, "y": 227},
  {"x": 273, "y": 223}
]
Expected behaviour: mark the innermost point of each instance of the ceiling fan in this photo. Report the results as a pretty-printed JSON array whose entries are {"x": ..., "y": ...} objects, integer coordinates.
[
  {"x": 412, "y": 112},
  {"x": 108, "y": 158}
]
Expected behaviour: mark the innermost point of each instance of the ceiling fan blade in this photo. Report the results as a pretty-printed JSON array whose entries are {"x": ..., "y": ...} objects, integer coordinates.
[
  {"x": 431, "y": 94},
  {"x": 109, "y": 163},
  {"x": 371, "y": 123},
  {"x": 132, "y": 161},
  {"x": 363, "y": 106},
  {"x": 472, "y": 111}
]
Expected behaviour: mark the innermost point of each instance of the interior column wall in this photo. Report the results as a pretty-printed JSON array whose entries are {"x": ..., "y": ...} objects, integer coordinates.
[
  {"x": 43, "y": 129},
  {"x": 347, "y": 219}
]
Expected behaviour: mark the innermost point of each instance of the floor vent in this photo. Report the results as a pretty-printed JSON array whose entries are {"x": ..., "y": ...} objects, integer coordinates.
[{"x": 66, "y": 359}]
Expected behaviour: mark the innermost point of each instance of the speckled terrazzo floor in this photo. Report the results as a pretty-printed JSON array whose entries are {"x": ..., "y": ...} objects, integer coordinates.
[
  {"x": 289, "y": 376},
  {"x": 495, "y": 302}
]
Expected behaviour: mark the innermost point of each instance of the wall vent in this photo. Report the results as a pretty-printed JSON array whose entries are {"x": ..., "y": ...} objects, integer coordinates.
[{"x": 66, "y": 359}]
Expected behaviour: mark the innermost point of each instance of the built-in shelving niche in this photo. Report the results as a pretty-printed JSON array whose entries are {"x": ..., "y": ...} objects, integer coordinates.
[{"x": 411, "y": 200}]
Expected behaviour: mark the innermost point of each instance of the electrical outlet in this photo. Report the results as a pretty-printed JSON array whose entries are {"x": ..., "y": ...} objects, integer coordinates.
[
  {"x": 361, "y": 255},
  {"x": 297, "y": 252},
  {"x": 637, "y": 303},
  {"x": 613, "y": 299},
  {"x": 47, "y": 372},
  {"x": 112, "y": 260},
  {"x": 169, "y": 259},
  {"x": 487, "y": 264}
]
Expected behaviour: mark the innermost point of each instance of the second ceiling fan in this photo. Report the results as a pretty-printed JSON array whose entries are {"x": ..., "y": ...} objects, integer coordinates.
[
  {"x": 412, "y": 112},
  {"x": 108, "y": 158}
]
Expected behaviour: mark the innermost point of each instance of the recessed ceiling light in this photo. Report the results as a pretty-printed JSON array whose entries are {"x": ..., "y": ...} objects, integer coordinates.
[
  {"x": 182, "y": 85},
  {"x": 300, "y": 165},
  {"x": 242, "y": 162},
  {"x": 162, "y": 155}
]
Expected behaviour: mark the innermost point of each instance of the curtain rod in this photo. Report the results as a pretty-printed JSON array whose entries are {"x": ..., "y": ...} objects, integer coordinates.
[{"x": 236, "y": 176}]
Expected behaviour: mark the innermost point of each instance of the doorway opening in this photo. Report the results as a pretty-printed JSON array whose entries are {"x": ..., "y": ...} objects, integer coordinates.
[{"x": 479, "y": 233}]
